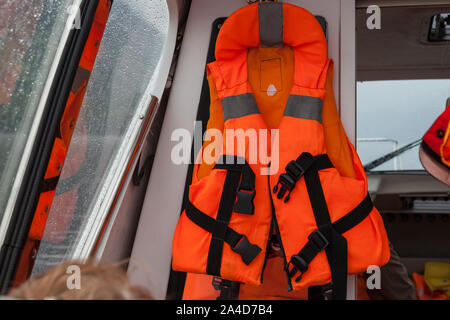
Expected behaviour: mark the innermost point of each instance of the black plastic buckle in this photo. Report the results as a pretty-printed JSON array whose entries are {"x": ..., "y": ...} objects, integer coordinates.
[
  {"x": 244, "y": 202},
  {"x": 246, "y": 250},
  {"x": 324, "y": 292},
  {"x": 219, "y": 283},
  {"x": 288, "y": 180},
  {"x": 295, "y": 170},
  {"x": 287, "y": 184},
  {"x": 319, "y": 240},
  {"x": 299, "y": 265},
  {"x": 327, "y": 291}
]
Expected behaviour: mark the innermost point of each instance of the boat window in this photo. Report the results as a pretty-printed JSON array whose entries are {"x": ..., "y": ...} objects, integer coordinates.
[
  {"x": 118, "y": 98},
  {"x": 31, "y": 33},
  {"x": 395, "y": 114},
  {"x": 440, "y": 27}
]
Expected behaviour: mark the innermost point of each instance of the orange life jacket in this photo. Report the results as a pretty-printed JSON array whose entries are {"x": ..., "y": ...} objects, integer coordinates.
[
  {"x": 437, "y": 138},
  {"x": 324, "y": 220}
]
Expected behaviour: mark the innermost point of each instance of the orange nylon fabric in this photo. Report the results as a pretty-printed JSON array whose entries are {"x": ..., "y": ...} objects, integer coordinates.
[
  {"x": 271, "y": 67},
  {"x": 274, "y": 285},
  {"x": 336, "y": 140},
  {"x": 338, "y": 146},
  {"x": 241, "y": 72},
  {"x": 445, "y": 148},
  {"x": 199, "y": 287},
  {"x": 437, "y": 137}
]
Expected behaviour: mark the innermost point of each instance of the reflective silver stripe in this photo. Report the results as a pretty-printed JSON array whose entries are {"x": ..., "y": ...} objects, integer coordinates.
[
  {"x": 271, "y": 24},
  {"x": 304, "y": 107},
  {"x": 239, "y": 106}
]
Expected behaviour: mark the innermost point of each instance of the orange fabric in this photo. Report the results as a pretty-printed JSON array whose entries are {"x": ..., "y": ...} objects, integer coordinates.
[
  {"x": 68, "y": 121},
  {"x": 23, "y": 270},
  {"x": 361, "y": 288},
  {"x": 445, "y": 148},
  {"x": 238, "y": 70},
  {"x": 258, "y": 78},
  {"x": 338, "y": 147},
  {"x": 216, "y": 119},
  {"x": 273, "y": 286},
  {"x": 45, "y": 199},
  {"x": 271, "y": 66},
  {"x": 199, "y": 287},
  {"x": 423, "y": 292},
  {"x": 437, "y": 137}
]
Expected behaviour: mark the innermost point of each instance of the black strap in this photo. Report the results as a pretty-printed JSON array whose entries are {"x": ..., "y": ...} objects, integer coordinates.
[
  {"x": 318, "y": 242},
  {"x": 355, "y": 216},
  {"x": 229, "y": 290},
  {"x": 297, "y": 169},
  {"x": 238, "y": 242},
  {"x": 320, "y": 292},
  {"x": 328, "y": 236},
  {"x": 338, "y": 256},
  {"x": 239, "y": 177},
  {"x": 337, "y": 251},
  {"x": 221, "y": 224},
  {"x": 246, "y": 190}
]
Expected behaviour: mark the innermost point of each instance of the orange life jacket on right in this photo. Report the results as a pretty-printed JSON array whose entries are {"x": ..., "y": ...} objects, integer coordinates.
[
  {"x": 437, "y": 138},
  {"x": 325, "y": 222}
]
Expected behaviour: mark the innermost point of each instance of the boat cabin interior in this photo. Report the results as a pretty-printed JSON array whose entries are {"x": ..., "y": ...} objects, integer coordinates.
[{"x": 103, "y": 108}]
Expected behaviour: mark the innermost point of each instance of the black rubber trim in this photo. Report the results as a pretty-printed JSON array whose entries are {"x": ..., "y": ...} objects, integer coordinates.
[{"x": 28, "y": 195}]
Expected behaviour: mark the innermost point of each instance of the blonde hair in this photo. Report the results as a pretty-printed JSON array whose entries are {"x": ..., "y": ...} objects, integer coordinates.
[{"x": 97, "y": 282}]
